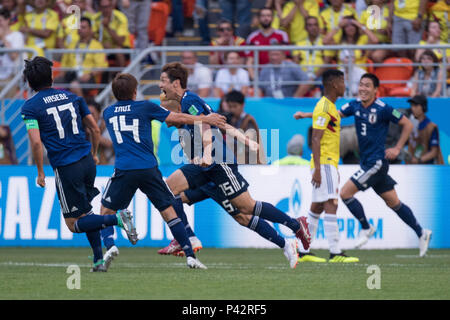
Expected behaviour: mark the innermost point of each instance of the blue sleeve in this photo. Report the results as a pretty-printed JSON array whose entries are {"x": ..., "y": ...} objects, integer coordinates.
[
  {"x": 28, "y": 112},
  {"x": 157, "y": 112},
  {"x": 347, "y": 109},
  {"x": 392, "y": 114},
  {"x": 434, "y": 139},
  {"x": 193, "y": 107},
  {"x": 84, "y": 109}
]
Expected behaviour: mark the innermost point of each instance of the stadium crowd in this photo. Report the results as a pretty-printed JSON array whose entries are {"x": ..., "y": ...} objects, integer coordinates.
[{"x": 138, "y": 24}]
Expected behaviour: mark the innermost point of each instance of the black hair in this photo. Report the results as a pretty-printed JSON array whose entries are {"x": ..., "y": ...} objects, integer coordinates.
[
  {"x": 38, "y": 73},
  {"x": 235, "y": 96},
  {"x": 374, "y": 78},
  {"x": 87, "y": 20},
  {"x": 5, "y": 13},
  {"x": 329, "y": 75}
]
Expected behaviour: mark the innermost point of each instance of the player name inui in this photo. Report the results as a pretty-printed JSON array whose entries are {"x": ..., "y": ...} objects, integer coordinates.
[
  {"x": 122, "y": 108},
  {"x": 55, "y": 97}
]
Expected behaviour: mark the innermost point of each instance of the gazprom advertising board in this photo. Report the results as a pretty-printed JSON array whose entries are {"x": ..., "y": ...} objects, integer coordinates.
[{"x": 31, "y": 216}]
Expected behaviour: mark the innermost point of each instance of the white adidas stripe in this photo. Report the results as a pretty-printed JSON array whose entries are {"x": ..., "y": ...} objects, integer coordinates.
[{"x": 65, "y": 207}]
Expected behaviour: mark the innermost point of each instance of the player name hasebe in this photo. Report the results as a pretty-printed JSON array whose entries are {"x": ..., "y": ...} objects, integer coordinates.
[
  {"x": 122, "y": 108},
  {"x": 55, "y": 97}
]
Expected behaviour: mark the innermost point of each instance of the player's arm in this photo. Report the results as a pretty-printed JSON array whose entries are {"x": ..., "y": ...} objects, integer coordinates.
[
  {"x": 302, "y": 115},
  {"x": 38, "y": 153},
  {"x": 241, "y": 137},
  {"x": 94, "y": 132},
  {"x": 207, "y": 145},
  {"x": 407, "y": 127},
  {"x": 213, "y": 119},
  {"x": 316, "y": 137}
]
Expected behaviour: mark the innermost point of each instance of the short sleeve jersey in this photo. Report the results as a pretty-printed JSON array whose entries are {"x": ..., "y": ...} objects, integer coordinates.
[
  {"x": 129, "y": 125},
  {"x": 372, "y": 124},
  {"x": 41, "y": 21},
  {"x": 406, "y": 9},
  {"x": 327, "y": 118},
  {"x": 58, "y": 116},
  {"x": 190, "y": 138}
]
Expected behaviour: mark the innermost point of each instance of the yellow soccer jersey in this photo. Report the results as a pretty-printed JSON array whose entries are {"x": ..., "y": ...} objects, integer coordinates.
[
  {"x": 441, "y": 11},
  {"x": 67, "y": 29},
  {"x": 329, "y": 19},
  {"x": 46, "y": 20},
  {"x": 85, "y": 60},
  {"x": 308, "y": 58},
  {"x": 374, "y": 25},
  {"x": 296, "y": 29},
  {"x": 326, "y": 117},
  {"x": 406, "y": 9},
  {"x": 118, "y": 23}
]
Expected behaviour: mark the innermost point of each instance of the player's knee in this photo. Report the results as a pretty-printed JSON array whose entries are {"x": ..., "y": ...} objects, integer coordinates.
[{"x": 242, "y": 219}]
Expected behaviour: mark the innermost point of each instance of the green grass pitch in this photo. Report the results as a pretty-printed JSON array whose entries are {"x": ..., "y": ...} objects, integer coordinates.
[{"x": 140, "y": 273}]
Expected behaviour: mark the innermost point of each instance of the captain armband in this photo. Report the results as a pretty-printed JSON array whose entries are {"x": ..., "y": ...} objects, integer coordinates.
[{"x": 31, "y": 124}]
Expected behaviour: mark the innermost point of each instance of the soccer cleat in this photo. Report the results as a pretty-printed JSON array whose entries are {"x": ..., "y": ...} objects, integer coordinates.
[
  {"x": 290, "y": 252},
  {"x": 303, "y": 233},
  {"x": 364, "y": 236},
  {"x": 172, "y": 248},
  {"x": 342, "y": 258},
  {"x": 99, "y": 266},
  {"x": 424, "y": 241},
  {"x": 310, "y": 257},
  {"x": 194, "y": 263},
  {"x": 196, "y": 246},
  {"x": 109, "y": 256},
  {"x": 125, "y": 221}
]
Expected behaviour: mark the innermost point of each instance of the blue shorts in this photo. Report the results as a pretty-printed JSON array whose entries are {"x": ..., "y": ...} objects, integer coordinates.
[
  {"x": 224, "y": 176},
  {"x": 123, "y": 185},
  {"x": 75, "y": 186},
  {"x": 375, "y": 177},
  {"x": 210, "y": 190}
]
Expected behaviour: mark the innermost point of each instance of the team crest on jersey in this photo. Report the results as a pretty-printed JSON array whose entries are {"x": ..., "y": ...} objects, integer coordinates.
[
  {"x": 357, "y": 113},
  {"x": 372, "y": 118}
]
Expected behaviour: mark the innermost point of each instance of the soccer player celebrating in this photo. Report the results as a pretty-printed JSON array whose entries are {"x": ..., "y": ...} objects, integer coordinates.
[
  {"x": 372, "y": 117},
  {"x": 324, "y": 163},
  {"x": 217, "y": 164},
  {"x": 129, "y": 125},
  {"x": 56, "y": 118}
]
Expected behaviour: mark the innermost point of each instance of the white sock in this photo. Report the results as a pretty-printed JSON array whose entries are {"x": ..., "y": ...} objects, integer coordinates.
[
  {"x": 331, "y": 232},
  {"x": 313, "y": 222}
]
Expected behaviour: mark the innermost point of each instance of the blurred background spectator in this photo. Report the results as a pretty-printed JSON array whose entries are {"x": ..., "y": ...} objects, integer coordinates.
[
  {"x": 428, "y": 77},
  {"x": 138, "y": 14},
  {"x": 433, "y": 37},
  {"x": 425, "y": 149},
  {"x": 226, "y": 37},
  {"x": 7, "y": 148},
  {"x": 13, "y": 8},
  {"x": 83, "y": 63},
  {"x": 331, "y": 17},
  {"x": 200, "y": 79},
  {"x": 294, "y": 153},
  {"x": 440, "y": 11},
  {"x": 264, "y": 36},
  {"x": 273, "y": 77},
  {"x": 9, "y": 62},
  {"x": 241, "y": 120},
  {"x": 238, "y": 12},
  {"x": 232, "y": 77},
  {"x": 201, "y": 16}
]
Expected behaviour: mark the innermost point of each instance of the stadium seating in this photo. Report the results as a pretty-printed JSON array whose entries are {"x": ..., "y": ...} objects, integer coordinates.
[{"x": 394, "y": 69}]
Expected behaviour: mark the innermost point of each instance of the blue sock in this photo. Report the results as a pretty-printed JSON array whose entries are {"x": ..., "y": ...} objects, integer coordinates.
[
  {"x": 268, "y": 212},
  {"x": 107, "y": 236},
  {"x": 405, "y": 213},
  {"x": 94, "y": 222},
  {"x": 357, "y": 211},
  {"x": 96, "y": 244},
  {"x": 179, "y": 233},
  {"x": 266, "y": 231},
  {"x": 178, "y": 207}
]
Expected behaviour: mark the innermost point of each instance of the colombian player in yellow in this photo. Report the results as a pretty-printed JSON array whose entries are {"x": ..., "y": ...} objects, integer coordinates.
[{"x": 324, "y": 164}]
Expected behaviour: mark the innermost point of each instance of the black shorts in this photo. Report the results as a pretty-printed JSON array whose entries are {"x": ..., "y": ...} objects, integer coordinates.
[
  {"x": 224, "y": 176},
  {"x": 375, "y": 177},
  {"x": 75, "y": 186},
  {"x": 210, "y": 190},
  {"x": 123, "y": 185}
]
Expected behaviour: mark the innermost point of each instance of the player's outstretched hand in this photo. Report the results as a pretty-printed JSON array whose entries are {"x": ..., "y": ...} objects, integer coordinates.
[
  {"x": 392, "y": 153},
  {"x": 96, "y": 160},
  {"x": 299, "y": 115},
  {"x": 41, "y": 180},
  {"x": 316, "y": 178},
  {"x": 215, "y": 119}
]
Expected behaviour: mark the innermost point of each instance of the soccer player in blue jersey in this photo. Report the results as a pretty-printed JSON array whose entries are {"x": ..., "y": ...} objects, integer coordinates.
[
  {"x": 212, "y": 161},
  {"x": 372, "y": 118},
  {"x": 129, "y": 125},
  {"x": 58, "y": 119}
]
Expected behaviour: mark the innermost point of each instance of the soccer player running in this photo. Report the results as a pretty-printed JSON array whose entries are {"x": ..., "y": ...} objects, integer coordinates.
[
  {"x": 56, "y": 119},
  {"x": 372, "y": 117},
  {"x": 324, "y": 164},
  {"x": 129, "y": 125},
  {"x": 214, "y": 162}
]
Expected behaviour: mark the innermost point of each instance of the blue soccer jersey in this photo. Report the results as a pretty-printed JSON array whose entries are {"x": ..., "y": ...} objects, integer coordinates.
[
  {"x": 190, "y": 137},
  {"x": 59, "y": 117},
  {"x": 129, "y": 125},
  {"x": 372, "y": 124}
]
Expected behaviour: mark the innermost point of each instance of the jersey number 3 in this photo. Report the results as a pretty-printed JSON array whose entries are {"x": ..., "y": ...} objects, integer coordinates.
[{"x": 121, "y": 126}]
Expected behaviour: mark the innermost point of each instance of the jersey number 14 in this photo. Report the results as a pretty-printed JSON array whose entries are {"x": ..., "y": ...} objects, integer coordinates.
[{"x": 120, "y": 125}]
